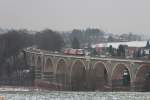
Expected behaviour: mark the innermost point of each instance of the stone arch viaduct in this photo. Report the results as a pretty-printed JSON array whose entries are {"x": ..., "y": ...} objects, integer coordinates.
[{"x": 66, "y": 72}]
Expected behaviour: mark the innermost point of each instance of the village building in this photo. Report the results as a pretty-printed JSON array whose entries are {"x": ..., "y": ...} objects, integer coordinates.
[{"x": 132, "y": 49}]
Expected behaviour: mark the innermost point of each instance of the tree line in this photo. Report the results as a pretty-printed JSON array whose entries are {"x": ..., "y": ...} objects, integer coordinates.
[{"x": 14, "y": 41}]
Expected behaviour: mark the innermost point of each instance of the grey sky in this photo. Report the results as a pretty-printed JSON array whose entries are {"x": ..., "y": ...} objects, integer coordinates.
[{"x": 110, "y": 15}]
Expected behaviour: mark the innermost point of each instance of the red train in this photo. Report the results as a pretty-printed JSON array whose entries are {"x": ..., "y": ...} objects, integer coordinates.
[{"x": 70, "y": 51}]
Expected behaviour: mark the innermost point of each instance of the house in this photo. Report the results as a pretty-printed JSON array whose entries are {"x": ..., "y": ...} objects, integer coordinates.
[
  {"x": 147, "y": 50},
  {"x": 131, "y": 47}
]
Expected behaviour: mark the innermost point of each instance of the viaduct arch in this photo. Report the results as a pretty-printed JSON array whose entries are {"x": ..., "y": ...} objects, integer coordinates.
[
  {"x": 61, "y": 70},
  {"x": 99, "y": 76},
  {"x": 33, "y": 60},
  {"x": 38, "y": 68},
  {"x": 78, "y": 75},
  {"x": 48, "y": 70},
  {"x": 118, "y": 75},
  {"x": 141, "y": 78}
]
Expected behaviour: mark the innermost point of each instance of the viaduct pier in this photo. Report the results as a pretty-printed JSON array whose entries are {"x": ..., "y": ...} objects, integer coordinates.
[{"x": 79, "y": 73}]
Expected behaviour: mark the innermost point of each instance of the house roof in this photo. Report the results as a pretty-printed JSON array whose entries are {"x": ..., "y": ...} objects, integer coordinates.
[{"x": 116, "y": 44}]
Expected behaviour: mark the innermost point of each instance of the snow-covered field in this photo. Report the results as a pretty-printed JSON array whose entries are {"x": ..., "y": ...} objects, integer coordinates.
[
  {"x": 15, "y": 89},
  {"x": 22, "y": 93},
  {"x": 60, "y": 95}
]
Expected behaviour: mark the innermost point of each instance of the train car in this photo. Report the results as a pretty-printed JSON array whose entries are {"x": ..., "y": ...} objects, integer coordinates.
[
  {"x": 65, "y": 51},
  {"x": 73, "y": 51},
  {"x": 80, "y": 52},
  {"x": 70, "y": 51}
]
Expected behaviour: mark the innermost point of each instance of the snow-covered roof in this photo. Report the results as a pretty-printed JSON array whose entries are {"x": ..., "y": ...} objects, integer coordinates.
[{"x": 116, "y": 44}]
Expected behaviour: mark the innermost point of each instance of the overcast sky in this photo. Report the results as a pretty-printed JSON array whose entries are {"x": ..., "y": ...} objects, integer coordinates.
[{"x": 115, "y": 16}]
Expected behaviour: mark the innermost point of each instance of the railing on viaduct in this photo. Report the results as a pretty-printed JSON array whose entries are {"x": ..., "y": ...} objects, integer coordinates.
[{"x": 66, "y": 72}]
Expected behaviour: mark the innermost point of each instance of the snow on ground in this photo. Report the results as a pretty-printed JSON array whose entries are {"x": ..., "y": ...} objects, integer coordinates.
[
  {"x": 116, "y": 44},
  {"x": 66, "y": 95},
  {"x": 15, "y": 88}
]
